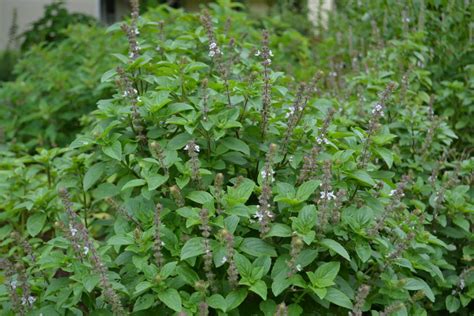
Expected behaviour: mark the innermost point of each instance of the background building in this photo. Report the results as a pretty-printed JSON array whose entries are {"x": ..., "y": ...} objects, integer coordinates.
[{"x": 110, "y": 11}]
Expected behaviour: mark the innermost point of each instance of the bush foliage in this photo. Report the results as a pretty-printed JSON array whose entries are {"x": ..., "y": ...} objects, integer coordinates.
[{"x": 227, "y": 174}]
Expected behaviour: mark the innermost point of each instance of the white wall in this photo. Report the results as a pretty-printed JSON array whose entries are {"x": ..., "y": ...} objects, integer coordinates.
[{"x": 31, "y": 10}]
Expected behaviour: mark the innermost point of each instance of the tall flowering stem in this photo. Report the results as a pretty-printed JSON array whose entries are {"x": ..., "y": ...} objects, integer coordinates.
[
  {"x": 264, "y": 213},
  {"x": 206, "y": 233},
  {"x": 158, "y": 152},
  {"x": 308, "y": 170},
  {"x": 362, "y": 293},
  {"x": 266, "y": 55},
  {"x": 377, "y": 114},
  {"x": 326, "y": 195},
  {"x": 77, "y": 227},
  {"x": 396, "y": 196},
  {"x": 218, "y": 192},
  {"x": 215, "y": 52},
  {"x": 177, "y": 195},
  {"x": 232, "y": 272},
  {"x": 193, "y": 152},
  {"x": 296, "y": 247},
  {"x": 158, "y": 243},
  {"x": 131, "y": 94},
  {"x": 11, "y": 284},
  {"x": 281, "y": 310},
  {"x": 122, "y": 211}
]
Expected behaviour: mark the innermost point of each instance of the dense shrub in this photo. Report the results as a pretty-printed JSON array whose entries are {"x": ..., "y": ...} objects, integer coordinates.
[
  {"x": 55, "y": 86},
  {"x": 49, "y": 28},
  {"x": 211, "y": 183}
]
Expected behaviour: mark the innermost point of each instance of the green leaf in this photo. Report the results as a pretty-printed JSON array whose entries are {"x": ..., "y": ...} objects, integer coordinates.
[
  {"x": 235, "y": 298},
  {"x": 413, "y": 284},
  {"x": 325, "y": 274},
  {"x": 279, "y": 230},
  {"x": 363, "y": 250},
  {"x": 200, "y": 197},
  {"x": 192, "y": 248},
  {"x": 90, "y": 281},
  {"x": 362, "y": 176},
  {"x": 113, "y": 150},
  {"x": 142, "y": 287},
  {"x": 306, "y": 189},
  {"x": 155, "y": 181},
  {"x": 217, "y": 301},
  {"x": 118, "y": 240},
  {"x": 452, "y": 303},
  {"x": 336, "y": 247},
  {"x": 143, "y": 302},
  {"x": 92, "y": 175},
  {"x": 280, "y": 284},
  {"x": 337, "y": 297},
  {"x": 257, "y": 247},
  {"x": 35, "y": 223},
  {"x": 233, "y": 143},
  {"x": 260, "y": 288},
  {"x": 133, "y": 183},
  {"x": 171, "y": 298},
  {"x": 387, "y": 155},
  {"x": 320, "y": 292},
  {"x": 108, "y": 75}
]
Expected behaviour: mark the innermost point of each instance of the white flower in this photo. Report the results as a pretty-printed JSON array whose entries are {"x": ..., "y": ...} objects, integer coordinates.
[
  {"x": 407, "y": 19},
  {"x": 139, "y": 99},
  {"x": 212, "y": 45},
  {"x": 131, "y": 55},
  {"x": 158, "y": 48},
  {"x": 13, "y": 284},
  {"x": 135, "y": 91},
  {"x": 72, "y": 230},
  {"x": 269, "y": 61},
  {"x": 322, "y": 140},
  {"x": 224, "y": 260},
  {"x": 137, "y": 32},
  {"x": 30, "y": 300},
  {"x": 86, "y": 250},
  {"x": 266, "y": 174},
  {"x": 259, "y": 216},
  {"x": 290, "y": 112},
  {"x": 333, "y": 74},
  {"x": 257, "y": 53},
  {"x": 392, "y": 192},
  {"x": 328, "y": 196},
  {"x": 163, "y": 243},
  {"x": 298, "y": 267},
  {"x": 270, "y": 53},
  {"x": 212, "y": 53},
  {"x": 196, "y": 148}
]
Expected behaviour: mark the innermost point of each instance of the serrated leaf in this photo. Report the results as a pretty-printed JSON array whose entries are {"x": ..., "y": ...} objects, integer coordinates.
[
  {"x": 133, "y": 183},
  {"x": 363, "y": 177},
  {"x": 233, "y": 143},
  {"x": 35, "y": 223},
  {"x": 306, "y": 189},
  {"x": 200, "y": 197},
  {"x": 171, "y": 298},
  {"x": 113, "y": 150},
  {"x": 155, "y": 181},
  {"x": 386, "y": 155},
  {"x": 257, "y": 247},
  {"x": 92, "y": 175},
  {"x": 143, "y": 302},
  {"x": 260, "y": 288},
  {"x": 192, "y": 248},
  {"x": 337, "y": 297},
  {"x": 336, "y": 247}
]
